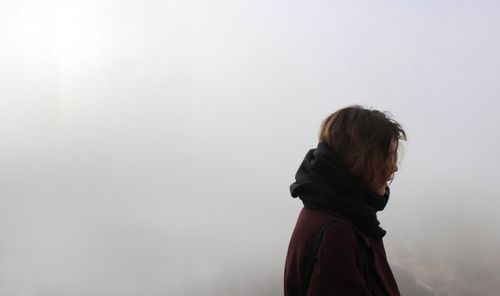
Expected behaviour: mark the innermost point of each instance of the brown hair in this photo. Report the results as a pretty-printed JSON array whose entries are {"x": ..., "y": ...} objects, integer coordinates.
[{"x": 362, "y": 140}]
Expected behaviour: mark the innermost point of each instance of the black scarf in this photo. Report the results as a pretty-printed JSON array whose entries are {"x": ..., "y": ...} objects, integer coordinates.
[{"x": 323, "y": 182}]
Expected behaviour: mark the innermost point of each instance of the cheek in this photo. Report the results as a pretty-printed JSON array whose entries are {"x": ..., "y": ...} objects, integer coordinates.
[
  {"x": 381, "y": 180},
  {"x": 388, "y": 173}
]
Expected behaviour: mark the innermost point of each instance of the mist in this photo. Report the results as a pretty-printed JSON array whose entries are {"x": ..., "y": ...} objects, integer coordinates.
[{"x": 147, "y": 147}]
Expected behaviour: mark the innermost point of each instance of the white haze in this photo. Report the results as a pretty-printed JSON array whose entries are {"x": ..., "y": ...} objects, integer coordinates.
[{"x": 147, "y": 146}]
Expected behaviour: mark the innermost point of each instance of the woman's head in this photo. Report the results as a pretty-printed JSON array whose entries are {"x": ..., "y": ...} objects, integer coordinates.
[{"x": 366, "y": 141}]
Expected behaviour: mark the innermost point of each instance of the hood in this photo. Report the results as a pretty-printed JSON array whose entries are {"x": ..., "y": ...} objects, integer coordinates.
[{"x": 322, "y": 182}]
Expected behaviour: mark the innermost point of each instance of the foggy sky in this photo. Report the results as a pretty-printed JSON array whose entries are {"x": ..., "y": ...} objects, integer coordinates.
[{"x": 147, "y": 147}]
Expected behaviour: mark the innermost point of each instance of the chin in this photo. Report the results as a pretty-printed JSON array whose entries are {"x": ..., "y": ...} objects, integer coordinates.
[{"x": 381, "y": 191}]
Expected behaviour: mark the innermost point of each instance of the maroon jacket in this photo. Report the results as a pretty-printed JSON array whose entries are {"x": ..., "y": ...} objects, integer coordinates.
[{"x": 339, "y": 266}]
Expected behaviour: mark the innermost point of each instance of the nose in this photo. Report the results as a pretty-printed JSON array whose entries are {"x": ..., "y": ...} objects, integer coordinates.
[{"x": 396, "y": 167}]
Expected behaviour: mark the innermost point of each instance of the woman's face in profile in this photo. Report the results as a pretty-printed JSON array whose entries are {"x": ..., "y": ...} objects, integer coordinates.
[{"x": 392, "y": 163}]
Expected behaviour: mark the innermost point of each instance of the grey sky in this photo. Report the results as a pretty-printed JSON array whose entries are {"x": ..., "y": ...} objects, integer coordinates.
[{"x": 147, "y": 147}]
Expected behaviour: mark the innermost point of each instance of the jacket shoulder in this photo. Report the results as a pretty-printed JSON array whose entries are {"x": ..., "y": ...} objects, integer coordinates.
[
  {"x": 342, "y": 235},
  {"x": 335, "y": 230},
  {"x": 339, "y": 230}
]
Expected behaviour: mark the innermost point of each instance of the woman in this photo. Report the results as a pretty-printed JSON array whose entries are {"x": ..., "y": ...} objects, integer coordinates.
[{"x": 336, "y": 247}]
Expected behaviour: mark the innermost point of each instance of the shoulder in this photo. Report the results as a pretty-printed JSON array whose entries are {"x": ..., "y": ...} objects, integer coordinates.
[
  {"x": 338, "y": 232},
  {"x": 337, "y": 229}
]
